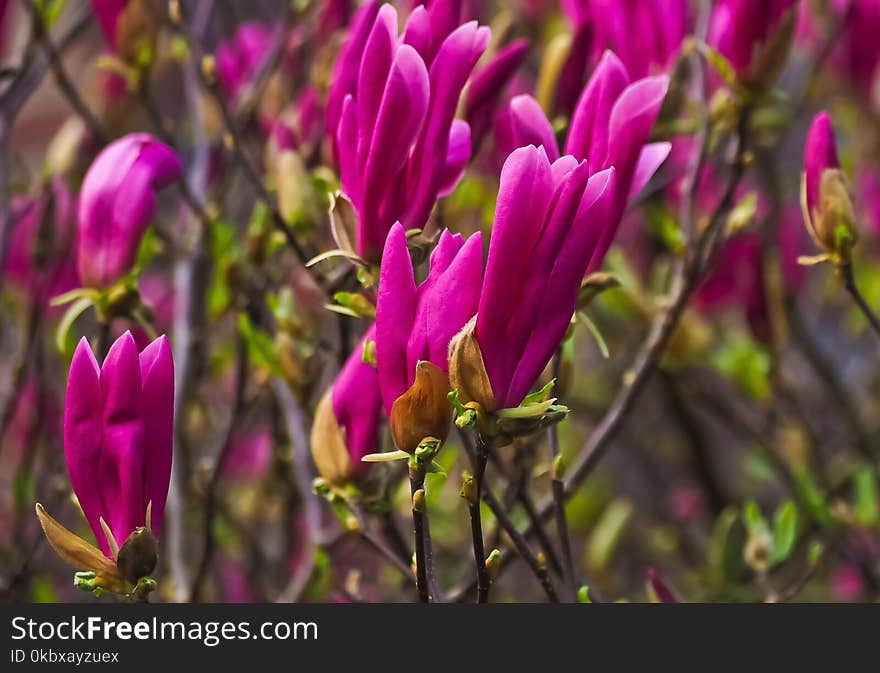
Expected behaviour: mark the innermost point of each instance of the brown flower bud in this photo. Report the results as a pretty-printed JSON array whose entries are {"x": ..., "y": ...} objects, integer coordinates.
[
  {"x": 136, "y": 31},
  {"x": 467, "y": 371},
  {"x": 329, "y": 449},
  {"x": 138, "y": 556},
  {"x": 835, "y": 214},
  {"x": 423, "y": 410}
]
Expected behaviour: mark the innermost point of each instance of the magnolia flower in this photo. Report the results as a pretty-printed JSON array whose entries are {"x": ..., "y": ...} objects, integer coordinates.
[
  {"x": 486, "y": 87},
  {"x": 827, "y": 202},
  {"x": 118, "y": 421},
  {"x": 240, "y": 58},
  {"x": 755, "y": 36},
  {"x": 610, "y": 127},
  {"x": 130, "y": 27},
  {"x": 524, "y": 123},
  {"x": 399, "y": 145},
  {"x": 549, "y": 221},
  {"x": 645, "y": 34},
  {"x": 43, "y": 233},
  {"x": 347, "y": 420},
  {"x": 117, "y": 202},
  {"x": 414, "y": 325}
]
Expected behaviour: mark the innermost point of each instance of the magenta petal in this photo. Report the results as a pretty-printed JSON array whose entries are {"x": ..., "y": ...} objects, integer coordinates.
[
  {"x": 357, "y": 405},
  {"x": 395, "y": 312},
  {"x": 588, "y": 133},
  {"x": 121, "y": 464},
  {"x": 453, "y": 300},
  {"x": 530, "y": 126},
  {"x": 347, "y": 67},
  {"x": 458, "y": 153},
  {"x": 402, "y": 113},
  {"x": 117, "y": 203},
  {"x": 418, "y": 33},
  {"x": 82, "y": 437},
  {"x": 650, "y": 159},
  {"x": 157, "y": 381},
  {"x": 820, "y": 153},
  {"x": 523, "y": 197},
  {"x": 449, "y": 72},
  {"x": 375, "y": 66},
  {"x": 488, "y": 84},
  {"x": 544, "y": 309}
]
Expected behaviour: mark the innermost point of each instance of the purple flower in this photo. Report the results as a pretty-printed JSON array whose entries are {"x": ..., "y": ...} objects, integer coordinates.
[
  {"x": 610, "y": 127},
  {"x": 486, "y": 88},
  {"x": 344, "y": 78},
  {"x": 118, "y": 421},
  {"x": 820, "y": 154},
  {"x": 750, "y": 34},
  {"x": 39, "y": 258},
  {"x": 549, "y": 220},
  {"x": 523, "y": 123},
  {"x": 240, "y": 58},
  {"x": 117, "y": 202},
  {"x": 416, "y": 323},
  {"x": 645, "y": 34},
  {"x": 399, "y": 146},
  {"x": 356, "y": 402},
  {"x": 108, "y": 12}
]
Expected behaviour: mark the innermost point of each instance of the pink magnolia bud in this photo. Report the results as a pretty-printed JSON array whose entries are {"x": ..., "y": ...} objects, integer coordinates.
[
  {"x": 117, "y": 202},
  {"x": 43, "y": 233},
  {"x": 118, "y": 421},
  {"x": 828, "y": 205}
]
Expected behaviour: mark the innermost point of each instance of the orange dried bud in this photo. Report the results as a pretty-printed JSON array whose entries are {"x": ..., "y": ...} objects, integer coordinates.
[
  {"x": 467, "y": 371},
  {"x": 423, "y": 410},
  {"x": 329, "y": 449}
]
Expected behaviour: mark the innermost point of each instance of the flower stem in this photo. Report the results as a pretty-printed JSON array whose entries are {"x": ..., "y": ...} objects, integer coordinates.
[
  {"x": 849, "y": 283},
  {"x": 420, "y": 528},
  {"x": 558, "y": 489},
  {"x": 483, "y": 579}
]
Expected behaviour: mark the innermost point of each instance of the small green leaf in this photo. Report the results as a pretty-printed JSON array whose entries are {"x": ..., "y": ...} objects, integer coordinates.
[
  {"x": 540, "y": 395},
  {"x": 753, "y": 519},
  {"x": 597, "y": 335},
  {"x": 865, "y": 491},
  {"x": 261, "y": 347},
  {"x": 70, "y": 315},
  {"x": 785, "y": 530},
  {"x": 608, "y": 533}
]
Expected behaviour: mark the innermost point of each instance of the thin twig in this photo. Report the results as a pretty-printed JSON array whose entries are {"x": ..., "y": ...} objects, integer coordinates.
[
  {"x": 558, "y": 490},
  {"x": 849, "y": 284},
  {"x": 420, "y": 532},
  {"x": 483, "y": 579},
  {"x": 210, "y": 503}
]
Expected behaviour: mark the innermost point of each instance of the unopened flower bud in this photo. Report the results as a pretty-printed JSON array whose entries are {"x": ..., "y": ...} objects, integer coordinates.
[
  {"x": 467, "y": 371},
  {"x": 825, "y": 193},
  {"x": 136, "y": 31},
  {"x": 423, "y": 410},
  {"x": 418, "y": 500},
  {"x": 329, "y": 450},
  {"x": 138, "y": 556},
  {"x": 756, "y": 552},
  {"x": 493, "y": 564},
  {"x": 469, "y": 488}
]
